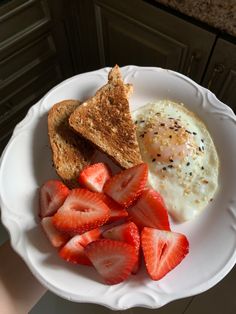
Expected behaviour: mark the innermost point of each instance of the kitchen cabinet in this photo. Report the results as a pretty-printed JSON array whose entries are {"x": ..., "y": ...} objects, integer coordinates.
[
  {"x": 133, "y": 32},
  {"x": 137, "y": 32},
  {"x": 34, "y": 56},
  {"x": 220, "y": 75}
]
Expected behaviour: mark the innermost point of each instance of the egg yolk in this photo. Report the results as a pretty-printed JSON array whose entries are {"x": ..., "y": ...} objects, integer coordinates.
[{"x": 167, "y": 140}]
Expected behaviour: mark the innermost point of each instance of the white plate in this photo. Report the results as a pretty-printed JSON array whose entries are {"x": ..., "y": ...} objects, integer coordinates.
[{"x": 26, "y": 164}]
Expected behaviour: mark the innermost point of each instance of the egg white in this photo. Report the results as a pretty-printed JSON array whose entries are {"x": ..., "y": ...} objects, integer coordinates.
[{"x": 187, "y": 184}]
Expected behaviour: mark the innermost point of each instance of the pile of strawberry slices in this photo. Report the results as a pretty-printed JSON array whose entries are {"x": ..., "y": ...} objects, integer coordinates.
[{"x": 111, "y": 222}]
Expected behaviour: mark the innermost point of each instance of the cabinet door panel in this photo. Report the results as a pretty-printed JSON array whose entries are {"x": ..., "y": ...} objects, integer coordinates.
[
  {"x": 136, "y": 32},
  {"x": 26, "y": 15},
  {"x": 34, "y": 56},
  {"x": 129, "y": 43},
  {"x": 220, "y": 77},
  {"x": 26, "y": 57},
  {"x": 14, "y": 108}
]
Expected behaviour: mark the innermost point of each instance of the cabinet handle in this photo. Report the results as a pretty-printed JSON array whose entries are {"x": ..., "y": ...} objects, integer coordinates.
[
  {"x": 196, "y": 55},
  {"x": 218, "y": 69}
]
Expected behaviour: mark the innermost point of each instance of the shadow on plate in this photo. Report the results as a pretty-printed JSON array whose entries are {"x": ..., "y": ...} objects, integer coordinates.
[
  {"x": 38, "y": 240},
  {"x": 42, "y": 159}
]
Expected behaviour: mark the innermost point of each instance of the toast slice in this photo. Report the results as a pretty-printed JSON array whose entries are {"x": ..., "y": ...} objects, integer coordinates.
[
  {"x": 105, "y": 121},
  {"x": 70, "y": 152}
]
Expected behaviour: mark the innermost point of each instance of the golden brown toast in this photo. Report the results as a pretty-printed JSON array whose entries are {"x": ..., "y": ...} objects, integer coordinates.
[
  {"x": 70, "y": 152},
  {"x": 105, "y": 121}
]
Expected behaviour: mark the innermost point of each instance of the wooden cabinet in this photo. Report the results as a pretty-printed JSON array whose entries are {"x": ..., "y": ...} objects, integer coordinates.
[
  {"x": 220, "y": 76},
  {"x": 33, "y": 58},
  {"x": 133, "y": 32},
  {"x": 136, "y": 32}
]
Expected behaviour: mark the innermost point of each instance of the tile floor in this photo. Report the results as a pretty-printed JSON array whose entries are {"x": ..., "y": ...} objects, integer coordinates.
[{"x": 218, "y": 300}]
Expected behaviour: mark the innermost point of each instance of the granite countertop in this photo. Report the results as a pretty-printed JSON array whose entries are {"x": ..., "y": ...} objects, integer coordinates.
[{"x": 220, "y": 14}]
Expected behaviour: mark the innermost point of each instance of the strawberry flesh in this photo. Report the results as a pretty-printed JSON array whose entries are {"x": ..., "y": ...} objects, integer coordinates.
[
  {"x": 113, "y": 260},
  {"x": 127, "y": 232},
  {"x": 82, "y": 211},
  {"x": 150, "y": 211},
  {"x": 93, "y": 177},
  {"x": 89, "y": 236},
  {"x": 126, "y": 186},
  {"x": 52, "y": 195},
  {"x": 116, "y": 210},
  {"x": 56, "y": 237},
  {"x": 73, "y": 250},
  {"x": 162, "y": 250}
]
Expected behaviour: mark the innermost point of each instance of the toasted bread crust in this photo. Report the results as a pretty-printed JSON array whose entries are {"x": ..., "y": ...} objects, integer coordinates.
[
  {"x": 105, "y": 121},
  {"x": 70, "y": 152}
]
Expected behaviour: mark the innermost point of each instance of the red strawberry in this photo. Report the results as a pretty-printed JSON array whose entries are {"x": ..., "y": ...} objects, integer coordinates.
[
  {"x": 126, "y": 232},
  {"x": 73, "y": 250},
  {"x": 163, "y": 251},
  {"x": 56, "y": 237},
  {"x": 89, "y": 236},
  {"x": 82, "y": 211},
  {"x": 127, "y": 185},
  {"x": 116, "y": 210},
  {"x": 150, "y": 211},
  {"x": 114, "y": 260},
  {"x": 52, "y": 195},
  {"x": 94, "y": 176}
]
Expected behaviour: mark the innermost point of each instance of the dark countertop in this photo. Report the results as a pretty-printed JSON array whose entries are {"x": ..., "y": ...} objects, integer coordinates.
[{"x": 220, "y": 14}]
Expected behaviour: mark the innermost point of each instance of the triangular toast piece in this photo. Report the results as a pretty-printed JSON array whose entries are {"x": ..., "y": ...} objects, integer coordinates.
[
  {"x": 105, "y": 121},
  {"x": 70, "y": 152}
]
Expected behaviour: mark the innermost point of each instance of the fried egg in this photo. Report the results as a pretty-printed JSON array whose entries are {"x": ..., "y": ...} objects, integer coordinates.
[{"x": 181, "y": 156}]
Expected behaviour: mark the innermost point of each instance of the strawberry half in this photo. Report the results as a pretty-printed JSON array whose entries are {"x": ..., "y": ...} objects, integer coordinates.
[
  {"x": 113, "y": 260},
  {"x": 73, "y": 250},
  {"x": 94, "y": 176},
  {"x": 90, "y": 236},
  {"x": 116, "y": 210},
  {"x": 127, "y": 185},
  {"x": 82, "y": 211},
  {"x": 52, "y": 195},
  {"x": 150, "y": 211},
  {"x": 56, "y": 237},
  {"x": 163, "y": 251},
  {"x": 127, "y": 232}
]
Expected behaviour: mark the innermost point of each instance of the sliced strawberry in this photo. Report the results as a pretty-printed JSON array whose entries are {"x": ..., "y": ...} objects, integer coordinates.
[
  {"x": 56, "y": 237},
  {"x": 116, "y": 210},
  {"x": 150, "y": 211},
  {"x": 82, "y": 211},
  {"x": 73, "y": 250},
  {"x": 94, "y": 176},
  {"x": 114, "y": 260},
  {"x": 52, "y": 195},
  {"x": 126, "y": 232},
  {"x": 127, "y": 185},
  {"x": 163, "y": 251},
  {"x": 89, "y": 236}
]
